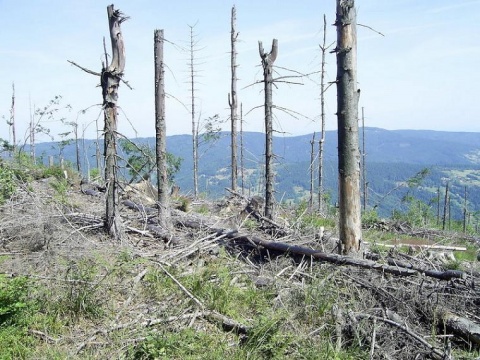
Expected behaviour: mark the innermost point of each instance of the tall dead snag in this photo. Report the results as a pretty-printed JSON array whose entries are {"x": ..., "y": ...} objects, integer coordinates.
[
  {"x": 350, "y": 228},
  {"x": 11, "y": 123},
  {"x": 232, "y": 98},
  {"x": 364, "y": 165},
  {"x": 321, "y": 142},
  {"x": 161, "y": 132},
  {"x": 267, "y": 62},
  {"x": 312, "y": 163},
  {"x": 191, "y": 64},
  {"x": 110, "y": 80}
]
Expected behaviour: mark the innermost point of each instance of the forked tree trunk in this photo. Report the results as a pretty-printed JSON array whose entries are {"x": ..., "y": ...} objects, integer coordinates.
[
  {"x": 232, "y": 99},
  {"x": 350, "y": 228},
  {"x": 161, "y": 133},
  {"x": 110, "y": 80},
  {"x": 267, "y": 62}
]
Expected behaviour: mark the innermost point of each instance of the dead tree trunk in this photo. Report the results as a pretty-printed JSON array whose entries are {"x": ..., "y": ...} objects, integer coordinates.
[
  {"x": 194, "y": 125},
  {"x": 312, "y": 163},
  {"x": 347, "y": 114},
  {"x": 321, "y": 142},
  {"x": 267, "y": 63},
  {"x": 364, "y": 164},
  {"x": 32, "y": 135},
  {"x": 445, "y": 208},
  {"x": 12, "y": 121},
  {"x": 232, "y": 99},
  {"x": 161, "y": 133},
  {"x": 77, "y": 147},
  {"x": 110, "y": 80},
  {"x": 465, "y": 211},
  {"x": 242, "y": 165}
]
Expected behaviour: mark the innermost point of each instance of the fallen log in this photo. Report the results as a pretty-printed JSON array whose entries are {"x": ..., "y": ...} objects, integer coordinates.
[
  {"x": 437, "y": 274},
  {"x": 345, "y": 260},
  {"x": 318, "y": 255},
  {"x": 139, "y": 207},
  {"x": 461, "y": 327}
]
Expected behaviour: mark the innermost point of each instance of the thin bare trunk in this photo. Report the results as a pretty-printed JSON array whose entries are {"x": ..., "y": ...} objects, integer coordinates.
[
  {"x": 364, "y": 165},
  {"x": 347, "y": 112},
  {"x": 232, "y": 99},
  {"x": 267, "y": 62},
  {"x": 12, "y": 120},
  {"x": 445, "y": 207},
  {"x": 194, "y": 125},
  {"x": 312, "y": 163},
  {"x": 242, "y": 166},
  {"x": 321, "y": 142},
  {"x": 77, "y": 148},
  {"x": 465, "y": 211},
  {"x": 32, "y": 134},
  {"x": 161, "y": 133}
]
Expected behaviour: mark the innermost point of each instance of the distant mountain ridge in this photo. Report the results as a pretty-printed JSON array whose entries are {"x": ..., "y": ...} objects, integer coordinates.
[{"x": 392, "y": 157}]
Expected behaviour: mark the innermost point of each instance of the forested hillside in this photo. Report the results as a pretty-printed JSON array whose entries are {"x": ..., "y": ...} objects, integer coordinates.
[{"x": 392, "y": 158}]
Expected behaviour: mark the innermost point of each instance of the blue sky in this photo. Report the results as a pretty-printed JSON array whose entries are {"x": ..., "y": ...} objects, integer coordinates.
[{"x": 423, "y": 74}]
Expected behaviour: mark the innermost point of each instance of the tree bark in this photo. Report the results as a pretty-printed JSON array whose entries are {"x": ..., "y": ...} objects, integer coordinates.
[
  {"x": 347, "y": 114},
  {"x": 161, "y": 133},
  {"x": 233, "y": 99},
  {"x": 110, "y": 80},
  {"x": 267, "y": 62}
]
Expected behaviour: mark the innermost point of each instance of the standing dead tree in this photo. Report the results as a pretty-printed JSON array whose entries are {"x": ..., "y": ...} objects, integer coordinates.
[
  {"x": 193, "y": 75},
  {"x": 267, "y": 63},
  {"x": 364, "y": 165},
  {"x": 161, "y": 133},
  {"x": 11, "y": 123},
  {"x": 350, "y": 229},
  {"x": 312, "y": 163},
  {"x": 110, "y": 79},
  {"x": 321, "y": 142},
  {"x": 232, "y": 98}
]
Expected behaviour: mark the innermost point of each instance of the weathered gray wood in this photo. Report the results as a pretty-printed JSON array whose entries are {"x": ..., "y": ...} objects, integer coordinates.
[
  {"x": 350, "y": 227},
  {"x": 161, "y": 133},
  {"x": 110, "y": 80},
  {"x": 267, "y": 62}
]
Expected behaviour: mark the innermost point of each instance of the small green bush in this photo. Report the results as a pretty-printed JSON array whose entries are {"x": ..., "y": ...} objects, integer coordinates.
[{"x": 8, "y": 184}]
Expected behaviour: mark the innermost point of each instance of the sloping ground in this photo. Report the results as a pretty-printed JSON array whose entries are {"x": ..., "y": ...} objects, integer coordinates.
[{"x": 206, "y": 290}]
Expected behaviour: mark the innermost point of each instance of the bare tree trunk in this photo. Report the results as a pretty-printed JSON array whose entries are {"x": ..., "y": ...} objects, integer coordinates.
[
  {"x": 161, "y": 133},
  {"x": 232, "y": 99},
  {"x": 350, "y": 228},
  {"x": 465, "y": 211},
  {"x": 267, "y": 63},
  {"x": 110, "y": 80},
  {"x": 77, "y": 147},
  {"x": 364, "y": 165},
  {"x": 321, "y": 142},
  {"x": 312, "y": 161},
  {"x": 438, "y": 206},
  {"x": 242, "y": 165},
  {"x": 12, "y": 120},
  {"x": 445, "y": 207},
  {"x": 32, "y": 134},
  {"x": 194, "y": 126}
]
